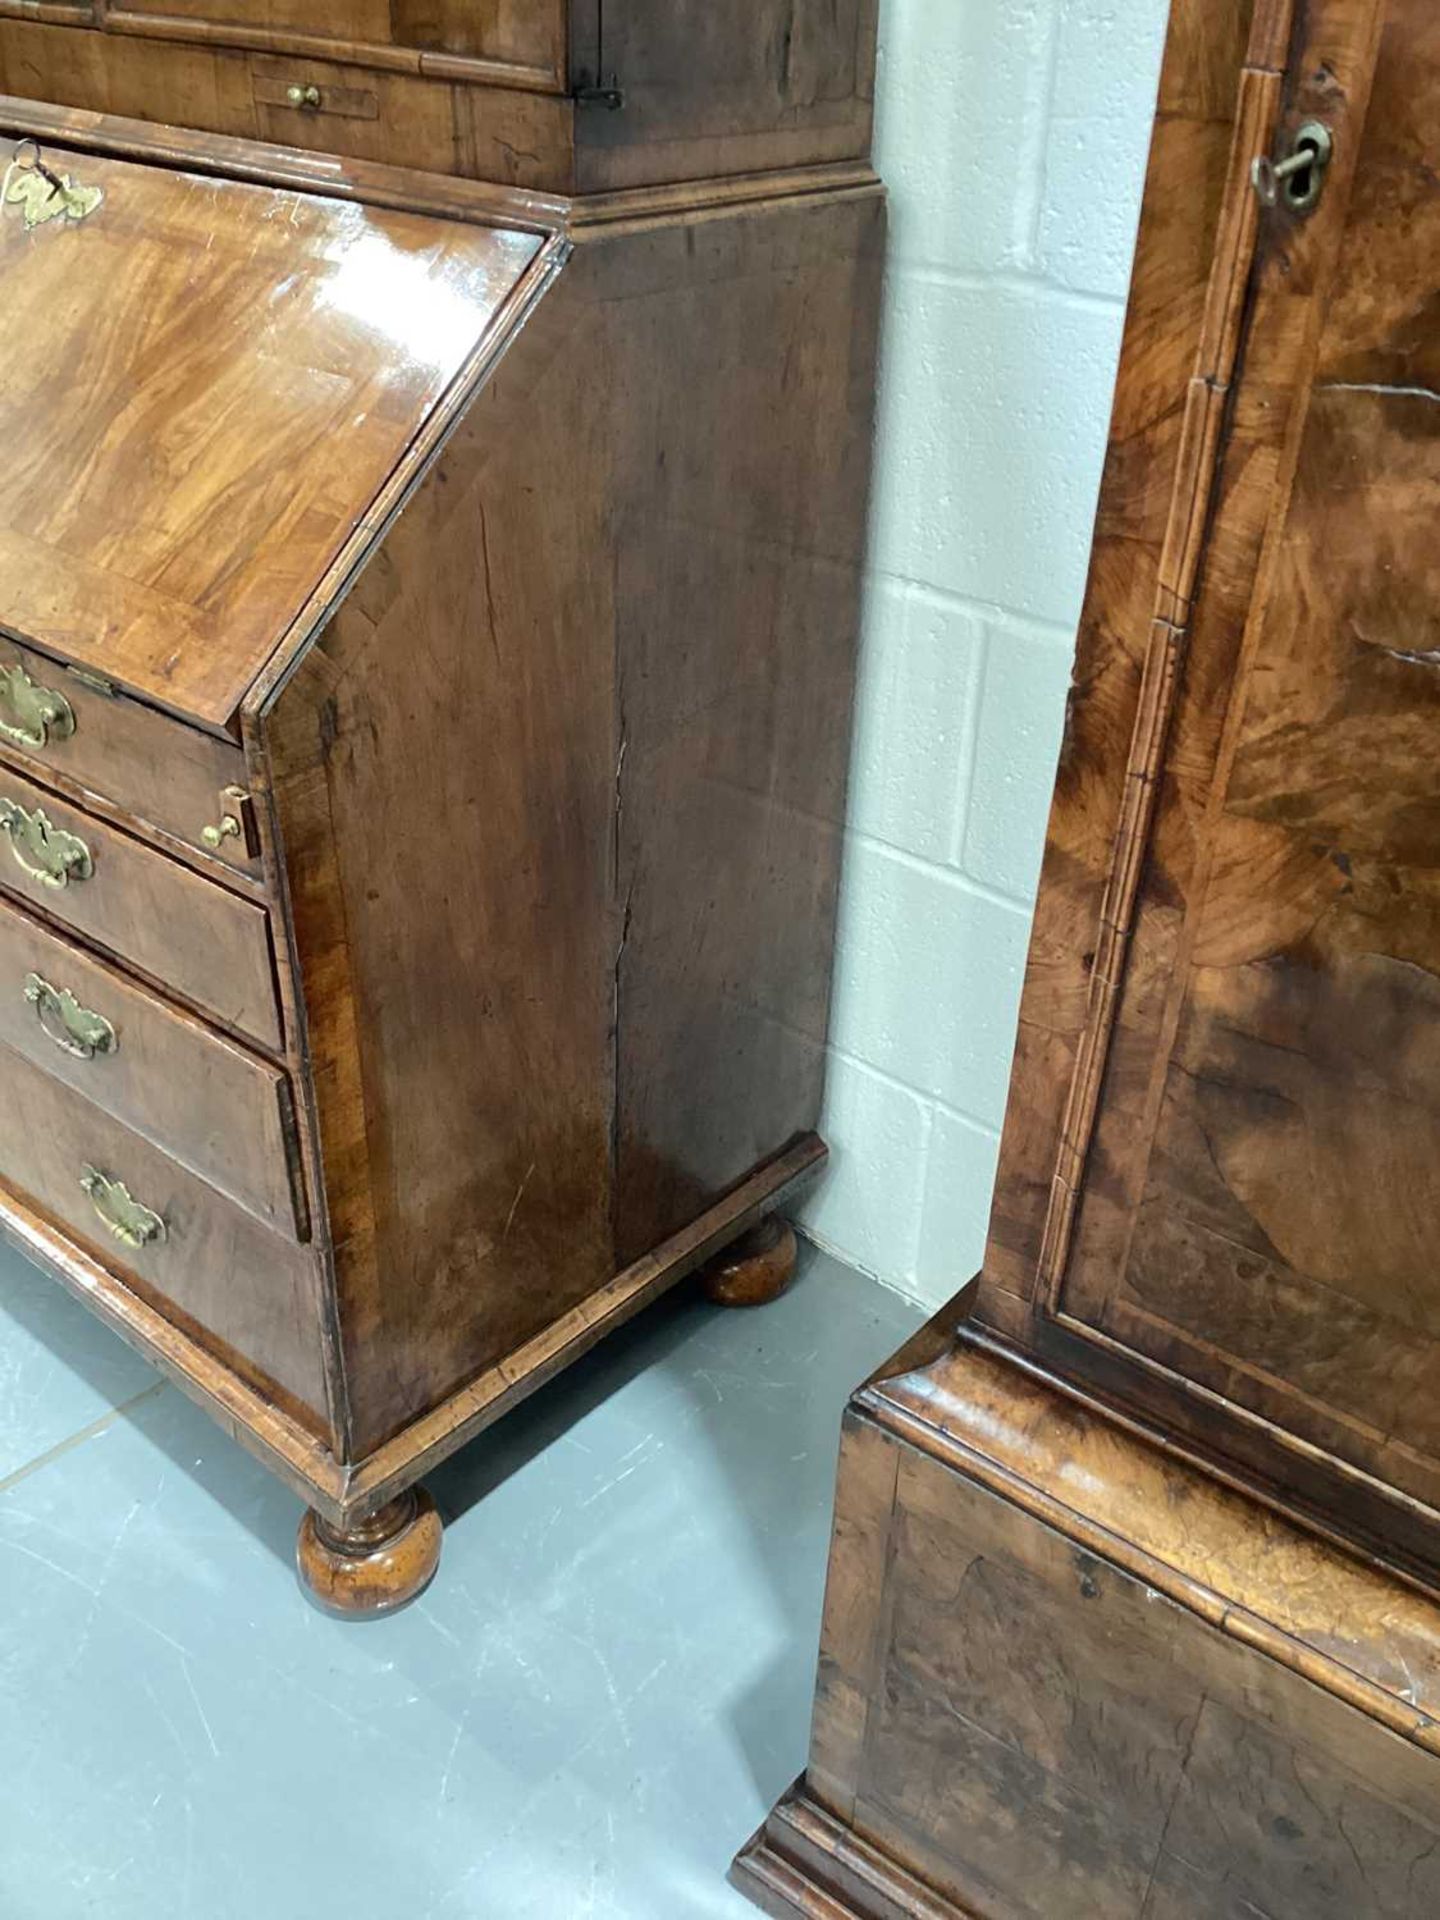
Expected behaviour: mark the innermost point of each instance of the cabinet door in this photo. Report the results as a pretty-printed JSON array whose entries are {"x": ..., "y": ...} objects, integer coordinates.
[
  {"x": 524, "y": 33},
  {"x": 1220, "y": 1192}
]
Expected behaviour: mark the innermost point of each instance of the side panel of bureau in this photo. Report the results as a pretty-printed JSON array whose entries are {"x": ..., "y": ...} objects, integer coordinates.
[{"x": 559, "y": 790}]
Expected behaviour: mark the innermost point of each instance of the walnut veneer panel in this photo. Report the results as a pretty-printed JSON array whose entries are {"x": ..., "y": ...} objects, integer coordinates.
[
  {"x": 250, "y": 1296},
  {"x": 118, "y": 753},
  {"x": 1218, "y": 1187},
  {"x": 231, "y": 373},
  {"x": 1095, "y": 1683},
  {"x": 210, "y": 1104},
  {"x": 723, "y": 86},
  {"x": 640, "y": 92},
  {"x": 203, "y": 942},
  {"x": 525, "y": 33}
]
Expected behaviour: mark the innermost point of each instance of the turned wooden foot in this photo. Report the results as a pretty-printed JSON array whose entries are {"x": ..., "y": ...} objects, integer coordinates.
[
  {"x": 376, "y": 1567},
  {"x": 754, "y": 1269}
]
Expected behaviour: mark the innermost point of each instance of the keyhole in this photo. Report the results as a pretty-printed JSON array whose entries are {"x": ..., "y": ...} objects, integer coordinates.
[{"x": 1302, "y": 186}]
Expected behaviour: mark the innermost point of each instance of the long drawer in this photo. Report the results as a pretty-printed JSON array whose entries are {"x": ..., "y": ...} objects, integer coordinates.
[
  {"x": 184, "y": 931},
  {"x": 169, "y": 775},
  {"x": 219, "y": 1110},
  {"x": 159, "y": 1228}
]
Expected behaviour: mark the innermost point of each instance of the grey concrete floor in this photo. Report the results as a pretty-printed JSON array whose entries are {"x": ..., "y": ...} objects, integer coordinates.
[{"x": 590, "y": 1710}]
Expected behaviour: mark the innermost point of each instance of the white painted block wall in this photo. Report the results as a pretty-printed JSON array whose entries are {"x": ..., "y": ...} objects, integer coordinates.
[{"x": 1013, "y": 135}]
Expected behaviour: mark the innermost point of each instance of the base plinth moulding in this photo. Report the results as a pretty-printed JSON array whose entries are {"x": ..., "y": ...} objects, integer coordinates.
[{"x": 804, "y": 1861}]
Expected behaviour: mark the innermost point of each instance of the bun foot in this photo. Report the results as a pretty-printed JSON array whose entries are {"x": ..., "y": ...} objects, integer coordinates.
[
  {"x": 754, "y": 1269},
  {"x": 376, "y": 1567}
]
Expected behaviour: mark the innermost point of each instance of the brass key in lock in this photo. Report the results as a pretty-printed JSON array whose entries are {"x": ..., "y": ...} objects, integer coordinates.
[{"x": 1300, "y": 175}]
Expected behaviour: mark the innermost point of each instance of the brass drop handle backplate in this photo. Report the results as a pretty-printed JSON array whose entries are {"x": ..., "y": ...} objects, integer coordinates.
[
  {"x": 133, "y": 1225},
  {"x": 73, "y": 1028},
  {"x": 41, "y": 192},
  {"x": 1296, "y": 180},
  {"x": 46, "y": 852},
  {"x": 31, "y": 715}
]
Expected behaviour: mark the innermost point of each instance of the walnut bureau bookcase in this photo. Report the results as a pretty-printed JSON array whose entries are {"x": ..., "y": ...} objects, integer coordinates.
[
  {"x": 429, "y": 570},
  {"x": 1135, "y": 1591}
]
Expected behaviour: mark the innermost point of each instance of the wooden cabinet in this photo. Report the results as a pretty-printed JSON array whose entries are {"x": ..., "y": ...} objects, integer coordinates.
[
  {"x": 427, "y": 629},
  {"x": 585, "y": 97},
  {"x": 1219, "y": 1194},
  {"x": 524, "y": 34},
  {"x": 1201, "y": 1360}
]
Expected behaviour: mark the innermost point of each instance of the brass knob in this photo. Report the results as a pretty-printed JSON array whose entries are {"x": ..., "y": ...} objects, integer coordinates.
[
  {"x": 235, "y": 823},
  {"x": 228, "y": 829},
  {"x": 299, "y": 96}
]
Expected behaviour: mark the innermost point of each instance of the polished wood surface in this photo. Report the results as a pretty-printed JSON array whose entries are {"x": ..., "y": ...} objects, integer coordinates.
[
  {"x": 756, "y": 1269},
  {"x": 210, "y": 946},
  {"x": 640, "y": 92},
  {"x": 221, "y": 1111},
  {"x": 528, "y": 34},
  {"x": 1132, "y": 1606},
  {"x": 494, "y": 133},
  {"x": 1063, "y": 1673},
  {"x": 124, "y": 757},
  {"x": 1218, "y": 1186},
  {"x": 548, "y": 899},
  {"x": 369, "y": 1570},
  {"x": 229, "y": 377},
  {"x": 648, "y": 823},
  {"x": 726, "y": 86},
  {"x": 249, "y": 1296}
]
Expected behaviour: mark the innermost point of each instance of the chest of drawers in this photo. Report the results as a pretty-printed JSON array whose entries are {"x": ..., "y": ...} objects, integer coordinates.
[{"x": 427, "y": 617}]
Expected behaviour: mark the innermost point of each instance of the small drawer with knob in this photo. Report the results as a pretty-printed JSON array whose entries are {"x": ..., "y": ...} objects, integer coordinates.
[
  {"x": 210, "y": 1103},
  {"x": 303, "y": 94},
  {"x": 170, "y": 1236},
  {"x": 206, "y": 944},
  {"x": 85, "y": 735}
]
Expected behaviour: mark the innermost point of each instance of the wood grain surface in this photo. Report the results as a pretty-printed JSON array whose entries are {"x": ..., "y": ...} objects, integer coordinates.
[
  {"x": 210, "y": 946},
  {"x": 1063, "y": 1673},
  {"x": 127, "y": 757},
  {"x": 1218, "y": 1186},
  {"x": 221, "y": 1111},
  {"x": 635, "y": 896},
  {"x": 229, "y": 376},
  {"x": 496, "y": 91},
  {"x": 246, "y": 1294}
]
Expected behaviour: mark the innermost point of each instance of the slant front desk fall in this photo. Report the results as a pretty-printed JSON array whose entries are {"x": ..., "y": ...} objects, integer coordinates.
[{"x": 427, "y": 619}]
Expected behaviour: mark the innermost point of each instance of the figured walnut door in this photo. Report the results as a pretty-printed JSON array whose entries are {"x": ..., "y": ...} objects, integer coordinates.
[{"x": 1219, "y": 1199}]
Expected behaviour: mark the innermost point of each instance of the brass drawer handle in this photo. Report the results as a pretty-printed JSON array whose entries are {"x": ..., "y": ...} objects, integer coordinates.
[
  {"x": 43, "y": 193},
  {"x": 31, "y": 715},
  {"x": 302, "y": 96},
  {"x": 133, "y": 1225},
  {"x": 73, "y": 1028},
  {"x": 47, "y": 853}
]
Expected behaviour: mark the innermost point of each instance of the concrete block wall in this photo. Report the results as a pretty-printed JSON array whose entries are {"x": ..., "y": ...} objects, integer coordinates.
[{"x": 1013, "y": 135}]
